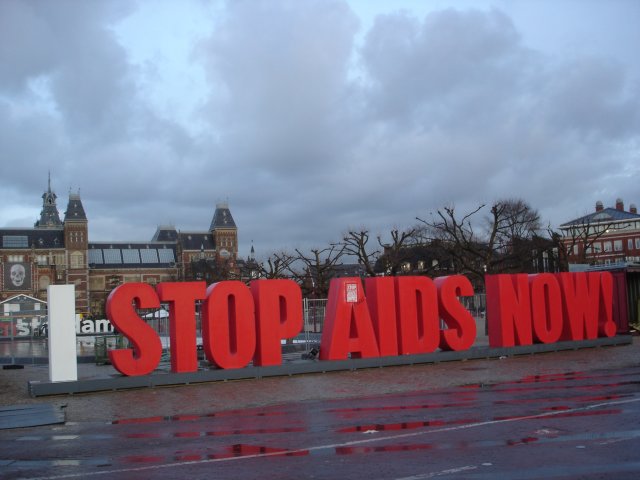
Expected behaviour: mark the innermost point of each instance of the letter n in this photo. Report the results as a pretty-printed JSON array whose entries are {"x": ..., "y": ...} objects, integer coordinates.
[{"x": 508, "y": 310}]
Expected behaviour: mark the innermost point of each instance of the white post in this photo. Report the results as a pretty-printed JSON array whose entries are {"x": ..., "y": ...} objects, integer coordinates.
[{"x": 63, "y": 362}]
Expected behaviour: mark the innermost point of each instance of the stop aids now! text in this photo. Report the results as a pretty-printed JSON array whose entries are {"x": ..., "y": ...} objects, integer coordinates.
[{"x": 387, "y": 316}]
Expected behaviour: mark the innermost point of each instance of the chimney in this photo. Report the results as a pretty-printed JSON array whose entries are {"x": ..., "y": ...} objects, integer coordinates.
[
  {"x": 633, "y": 208},
  {"x": 619, "y": 204},
  {"x": 599, "y": 206}
]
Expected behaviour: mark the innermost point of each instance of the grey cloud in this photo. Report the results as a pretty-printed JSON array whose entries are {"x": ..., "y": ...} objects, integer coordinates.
[
  {"x": 281, "y": 68},
  {"x": 306, "y": 132}
]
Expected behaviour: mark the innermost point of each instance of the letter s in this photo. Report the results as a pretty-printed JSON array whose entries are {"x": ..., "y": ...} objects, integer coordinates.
[{"x": 145, "y": 355}]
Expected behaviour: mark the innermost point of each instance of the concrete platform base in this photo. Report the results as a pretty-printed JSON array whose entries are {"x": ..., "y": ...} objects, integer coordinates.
[{"x": 302, "y": 366}]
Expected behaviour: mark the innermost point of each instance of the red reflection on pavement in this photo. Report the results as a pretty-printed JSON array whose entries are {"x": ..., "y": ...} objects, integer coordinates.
[
  {"x": 243, "y": 450},
  {"x": 400, "y": 407},
  {"x": 253, "y": 431},
  {"x": 143, "y": 459},
  {"x": 589, "y": 413},
  {"x": 127, "y": 421},
  {"x": 404, "y": 425},
  {"x": 522, "y": 441},
  {"x": 386, "y": 448},
  {"x": 143, "y": 435}
]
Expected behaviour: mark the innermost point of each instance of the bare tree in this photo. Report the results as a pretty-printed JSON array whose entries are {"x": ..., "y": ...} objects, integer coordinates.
[
  {"x": 317, "y": 269},
  {"x": 496, "y": 245},
  {"x": 395, "y": 253},
  {"x": 277, "y": 265},
  {"x": 356, "y": 243}
]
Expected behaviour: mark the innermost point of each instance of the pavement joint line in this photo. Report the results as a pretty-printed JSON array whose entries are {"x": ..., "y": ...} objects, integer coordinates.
[{"x": 337, "y": 445}]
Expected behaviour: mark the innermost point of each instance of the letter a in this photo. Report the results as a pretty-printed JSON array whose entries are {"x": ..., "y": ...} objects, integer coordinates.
[{"x": 347, "y": 327}]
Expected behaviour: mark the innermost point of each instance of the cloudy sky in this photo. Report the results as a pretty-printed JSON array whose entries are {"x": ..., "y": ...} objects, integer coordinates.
[{"x": 314, "y": 117}]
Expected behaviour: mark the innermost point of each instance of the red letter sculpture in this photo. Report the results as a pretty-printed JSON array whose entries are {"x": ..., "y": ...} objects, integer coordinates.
[
  {"x": 147, "y": 349},
  {"x": 546, "y": 307},
  {"x": 381, "y": 299},
  {"x": 278, "y": 310},
  {"x": 508, "y": 310},
  {"x": 347, "y": 326},
  {"x": 228, "y": 327},
  {"x": 606, "y": 326},
  {"x": 418, "y": 319},
  {"x": 582, "y": 310},
  {"x": 462, "y": 326},
  {"x": 182, "y": 322}
]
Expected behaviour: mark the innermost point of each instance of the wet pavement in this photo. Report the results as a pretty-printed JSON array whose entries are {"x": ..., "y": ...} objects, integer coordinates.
[{"x": 568, "y": 424}]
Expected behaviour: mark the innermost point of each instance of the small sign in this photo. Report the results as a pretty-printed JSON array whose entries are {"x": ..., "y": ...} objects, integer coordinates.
[{"x": 352, "y": 292}]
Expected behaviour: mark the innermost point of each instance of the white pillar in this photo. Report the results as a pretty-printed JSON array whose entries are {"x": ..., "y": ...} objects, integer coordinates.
[{"x": 63, "y": 362}]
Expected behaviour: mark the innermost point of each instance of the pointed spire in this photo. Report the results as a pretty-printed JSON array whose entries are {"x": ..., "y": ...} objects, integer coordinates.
[{"x": 49, "y": 216}]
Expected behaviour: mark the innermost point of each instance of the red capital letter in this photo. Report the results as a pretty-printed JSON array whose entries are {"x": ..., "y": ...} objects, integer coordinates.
[
  {"x": 147, "y": 349},
  {"x": 182, "y": 322},
  {"x": 462, "y": 326},
  {"x": 508, "y": 310},
  {"x": 546, "y": 307},
  {"x": 228, "y": 327},
  {"x": 381, "y": 299},
  {"x": 347, "y": 325},
  {"x": 581, "y": 305},
  {"x": 418, "y": 319},
  {"x": 278, "y": 310},
  {"x": 606, "y": 326}
]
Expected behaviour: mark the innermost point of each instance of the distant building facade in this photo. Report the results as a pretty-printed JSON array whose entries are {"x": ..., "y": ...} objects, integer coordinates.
[
  {"x": 59, "y": 251},
  {"x": 604, "y": 237}
]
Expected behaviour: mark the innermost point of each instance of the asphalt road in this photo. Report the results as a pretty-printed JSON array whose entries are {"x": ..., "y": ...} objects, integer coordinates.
[{"x": 567, "y": 423}]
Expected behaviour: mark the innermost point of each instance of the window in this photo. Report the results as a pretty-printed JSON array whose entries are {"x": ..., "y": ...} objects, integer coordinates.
[
  {"x": 607, "y": 246},
  {"x": 15, "y": 241},
  {"x": 637, "y": 243},
  {"x": 617, "y": 245},
  {"x": 630, "y": 244},
  {"x": 44, "y": 282},
  {"x": 597, "y": 247},
  {"x": 96, "y": 283},
  {"x": 76, "y": 260},
  {"x": 42, "y": 259},
  {"x": 15, "y": 258}
]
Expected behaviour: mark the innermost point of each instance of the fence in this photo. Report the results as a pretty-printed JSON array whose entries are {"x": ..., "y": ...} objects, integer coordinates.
[{"x": 21, "y": 336}]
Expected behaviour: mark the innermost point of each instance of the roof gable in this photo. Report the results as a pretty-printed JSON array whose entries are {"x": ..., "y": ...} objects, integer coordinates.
[{"x": 606, "y": 215}]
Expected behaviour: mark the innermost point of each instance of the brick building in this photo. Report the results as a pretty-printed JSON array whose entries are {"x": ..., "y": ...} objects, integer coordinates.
[
  {"x": 604, "y": 237},
  {"x": 59, "y": 251}
]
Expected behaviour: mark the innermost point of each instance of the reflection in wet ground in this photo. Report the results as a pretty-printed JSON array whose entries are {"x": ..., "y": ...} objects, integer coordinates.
[{"x": 553, "y": 413}]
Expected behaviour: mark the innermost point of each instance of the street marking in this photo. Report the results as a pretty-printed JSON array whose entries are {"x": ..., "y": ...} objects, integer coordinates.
[
  {"x": 449, "y": 471},
  {"x": 340, "y": 445}
]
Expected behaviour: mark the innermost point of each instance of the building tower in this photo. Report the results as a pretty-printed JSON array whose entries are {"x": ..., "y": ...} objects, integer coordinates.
[
  {"x": 76, "y": 241},
  {"x": 225, "y": 233},
  {"x": 49, "y": 217}
]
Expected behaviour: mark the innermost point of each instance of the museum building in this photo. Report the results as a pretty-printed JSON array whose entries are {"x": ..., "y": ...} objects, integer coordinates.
[
  {"x": 605, "y": 237},
  {"x": 59, "y": 251}
]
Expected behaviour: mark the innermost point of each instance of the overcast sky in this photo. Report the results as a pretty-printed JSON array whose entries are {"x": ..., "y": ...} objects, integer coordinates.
[{"x": 311, "y": 118}]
